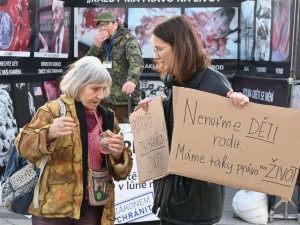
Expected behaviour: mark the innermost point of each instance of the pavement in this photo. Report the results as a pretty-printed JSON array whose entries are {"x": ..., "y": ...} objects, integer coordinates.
[{"x": 8, "y": 218}]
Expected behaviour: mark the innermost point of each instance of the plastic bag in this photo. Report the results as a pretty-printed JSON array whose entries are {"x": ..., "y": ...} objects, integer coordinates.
[{"x": 251, "y": 206}]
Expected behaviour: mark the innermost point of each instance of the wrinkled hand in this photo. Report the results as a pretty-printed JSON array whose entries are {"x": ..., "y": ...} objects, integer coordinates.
[
  {"x": 44, "y": 43},
  {"x": 56, "y": 131},
  {"x": 144, "y": 104},
  {"x": 100, "y": 37},
  {"x": 237, "y": 99},
  {"x": 116, "y": 144},
  {"x": 128, "y": 87}
]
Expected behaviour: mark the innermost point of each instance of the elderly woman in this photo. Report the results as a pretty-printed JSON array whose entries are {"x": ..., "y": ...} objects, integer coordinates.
[{"x": 72, "y": 143}]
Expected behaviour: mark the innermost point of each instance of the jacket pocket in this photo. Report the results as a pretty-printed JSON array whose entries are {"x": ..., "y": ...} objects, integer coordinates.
[
  {"x": 181, "y": 190},
  {"x": 195, "y": 201},
  {"x": 182, "y": 205}
]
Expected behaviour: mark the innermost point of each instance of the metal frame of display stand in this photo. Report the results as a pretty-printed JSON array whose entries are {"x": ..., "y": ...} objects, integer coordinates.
[
  {"x": 285, "y": 215},
  {"x": 295, "y": 64}
]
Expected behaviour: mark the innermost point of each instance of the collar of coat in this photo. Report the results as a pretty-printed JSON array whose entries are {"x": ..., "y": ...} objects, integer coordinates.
[
  {"x": 107, "y": 114},
  {"x": 192, "y": 82}
]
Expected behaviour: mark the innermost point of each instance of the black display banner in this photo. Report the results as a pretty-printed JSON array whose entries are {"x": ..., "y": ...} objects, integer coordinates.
[
  {"x": 266, "y": 69},
  {"x": 264, "y": 90},
  {"x": 227, "y": 67}
]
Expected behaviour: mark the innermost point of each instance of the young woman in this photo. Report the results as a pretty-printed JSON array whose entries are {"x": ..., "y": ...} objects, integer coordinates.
[
  {"x": 72, "y": 143},
  {"x": 183, "y": 62}
]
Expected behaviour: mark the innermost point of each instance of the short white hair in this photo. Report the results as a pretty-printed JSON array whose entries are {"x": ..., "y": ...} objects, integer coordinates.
[
  {"x": 58, "y": 3},
  {"x": 86, "y": 70}
]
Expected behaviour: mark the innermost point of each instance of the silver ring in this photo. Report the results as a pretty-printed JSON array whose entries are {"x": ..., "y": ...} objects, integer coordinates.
[{"x": 61, "y": 124}]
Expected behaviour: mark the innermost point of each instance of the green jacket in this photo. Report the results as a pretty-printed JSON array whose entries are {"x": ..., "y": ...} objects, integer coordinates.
[{"x": 127, "y": 65}]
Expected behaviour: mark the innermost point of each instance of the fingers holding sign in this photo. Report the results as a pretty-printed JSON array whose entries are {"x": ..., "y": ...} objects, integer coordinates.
[
  {"x": 237, "y": 99},
  {"x": 144, "y": 104}
]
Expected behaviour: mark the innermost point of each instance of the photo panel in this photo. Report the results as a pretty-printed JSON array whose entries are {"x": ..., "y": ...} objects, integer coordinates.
[
  {"x": 52, "y": 90},
  {"x": 15, "y": 30},
  {"x": 27, "y": 99},
  {"x": 151, "y": 88},
  {"x": 263, "y": 30},
  {"x": 52, "y": 37},
  {"x": 247, "y": 27},
  {"x": 85, "y": 20},
  {"x": 265, "y": 46},
  {"x": 281, "y": 30},
  {"x": 141, "y": 22},
  {"x": 8, "y": 125},
  {"x": 217, "y": 30}
]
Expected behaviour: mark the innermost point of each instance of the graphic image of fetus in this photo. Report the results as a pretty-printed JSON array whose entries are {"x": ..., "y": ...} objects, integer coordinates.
[
  {"x": 6, "y": 30},
  {"x": 8, "y": 126}
]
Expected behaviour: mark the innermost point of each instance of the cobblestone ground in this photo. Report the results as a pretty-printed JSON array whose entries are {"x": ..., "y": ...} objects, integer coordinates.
[{"x": 7, "y": 218}]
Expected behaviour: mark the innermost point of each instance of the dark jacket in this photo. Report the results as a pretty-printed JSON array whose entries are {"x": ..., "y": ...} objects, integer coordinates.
[
  {"x": 65, "y": 44},
  {"x": 185, "y": 200}
]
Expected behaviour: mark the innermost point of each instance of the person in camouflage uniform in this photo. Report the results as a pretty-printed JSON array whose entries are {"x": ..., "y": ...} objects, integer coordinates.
[{"x": 121, "y": 55}]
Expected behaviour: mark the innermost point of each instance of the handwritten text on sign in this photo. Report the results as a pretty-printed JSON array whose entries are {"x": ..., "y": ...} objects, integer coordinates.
[
  {"x": 254, "y": 148},
  {"x": 150, "y": 141}
]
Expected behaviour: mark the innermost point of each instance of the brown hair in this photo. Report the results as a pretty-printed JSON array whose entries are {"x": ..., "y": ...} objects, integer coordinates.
[{"x": 189, "y": 55}]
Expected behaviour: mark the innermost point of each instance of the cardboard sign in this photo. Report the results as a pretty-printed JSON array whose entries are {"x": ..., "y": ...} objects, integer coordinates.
[
  {"x": 150, "y": 141},
  {"x": 254, "y": 148},
  {"x": 129, "y": 194}
]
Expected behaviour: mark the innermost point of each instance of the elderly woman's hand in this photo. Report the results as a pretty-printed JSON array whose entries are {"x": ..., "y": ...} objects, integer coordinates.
[
  {"x": 60, "y": 127},
  {"x": 237, "y": 98},
  {"x": 116, "y": 144}
]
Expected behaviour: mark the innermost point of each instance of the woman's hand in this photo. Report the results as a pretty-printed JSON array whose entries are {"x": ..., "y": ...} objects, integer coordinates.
[
  {"x": 237, "y": 98},
  {"x": 144, "y": 104},
  {"x": 116, "y": 145},
  {"x": 60, "y": 127}
]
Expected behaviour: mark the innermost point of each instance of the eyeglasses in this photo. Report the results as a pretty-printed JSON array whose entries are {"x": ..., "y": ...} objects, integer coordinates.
[
  {"x": 103, "y": 25},
  {"x": 158, "y": 50}
]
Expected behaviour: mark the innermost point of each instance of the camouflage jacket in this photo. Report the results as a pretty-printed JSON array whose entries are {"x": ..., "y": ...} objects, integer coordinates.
[{"x": 127, "y": 65}]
